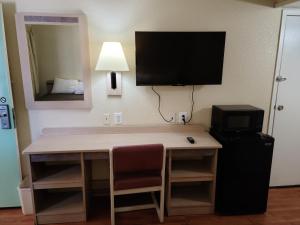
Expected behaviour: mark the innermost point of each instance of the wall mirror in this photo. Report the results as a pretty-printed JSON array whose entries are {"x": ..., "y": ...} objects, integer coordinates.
[{"x": 54, "y": 60}]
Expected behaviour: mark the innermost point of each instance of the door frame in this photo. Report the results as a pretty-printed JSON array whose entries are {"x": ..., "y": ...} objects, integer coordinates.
[{"x": 285, "y": 14}]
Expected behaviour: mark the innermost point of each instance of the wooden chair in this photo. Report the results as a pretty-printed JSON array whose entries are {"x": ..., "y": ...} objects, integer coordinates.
[{"x": 137, "y": 169}]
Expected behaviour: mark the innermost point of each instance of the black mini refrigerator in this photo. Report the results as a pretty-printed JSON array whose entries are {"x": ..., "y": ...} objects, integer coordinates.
[{"x": 244, "y": 164}]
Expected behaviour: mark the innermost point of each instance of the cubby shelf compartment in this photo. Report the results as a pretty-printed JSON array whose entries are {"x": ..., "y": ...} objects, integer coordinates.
[
  {"x": 191, "y": 181},
  {"x": 190, "y": 170},
  {"x": 59, "y": 207},
  {"x": 57, "y": 176},
  {"x": 191, "y": 198},
  {"x": 187, "y": 195},
  {"x": 58, "y": 188}
]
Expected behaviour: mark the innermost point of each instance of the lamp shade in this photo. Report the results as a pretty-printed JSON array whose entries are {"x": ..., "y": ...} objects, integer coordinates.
[{"x": 112, "y": 58}]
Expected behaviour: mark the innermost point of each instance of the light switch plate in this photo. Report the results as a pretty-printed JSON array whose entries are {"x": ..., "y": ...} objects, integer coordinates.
[
  {"x": 106, "y": 119},
  {"x": 118, "y": 118}
]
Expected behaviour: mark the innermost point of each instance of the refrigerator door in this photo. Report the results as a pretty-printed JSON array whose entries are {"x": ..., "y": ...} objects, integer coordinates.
[{"x": 243, "y": 175}]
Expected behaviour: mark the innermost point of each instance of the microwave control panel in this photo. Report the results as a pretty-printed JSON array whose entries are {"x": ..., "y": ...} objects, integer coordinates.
[{"x": 4, "y": 117}]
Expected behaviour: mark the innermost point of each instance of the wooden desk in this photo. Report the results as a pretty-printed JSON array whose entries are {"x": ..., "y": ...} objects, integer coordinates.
[{"x": 59, "y": 168}]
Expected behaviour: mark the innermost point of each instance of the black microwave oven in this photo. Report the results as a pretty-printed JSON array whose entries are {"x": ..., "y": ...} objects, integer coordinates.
[{"x": 237, "y": 118}]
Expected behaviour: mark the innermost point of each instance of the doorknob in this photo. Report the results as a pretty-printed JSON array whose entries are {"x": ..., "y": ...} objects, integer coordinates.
[
  {"x": 280, "y": 78},
  {"x": 280, "y": 107}
]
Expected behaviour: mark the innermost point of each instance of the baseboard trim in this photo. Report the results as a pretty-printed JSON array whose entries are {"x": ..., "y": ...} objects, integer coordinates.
[{"x": 285, "y": 186}]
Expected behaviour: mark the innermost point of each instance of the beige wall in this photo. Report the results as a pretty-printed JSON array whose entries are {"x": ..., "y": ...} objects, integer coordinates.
[{"x": 252, "y": 36}]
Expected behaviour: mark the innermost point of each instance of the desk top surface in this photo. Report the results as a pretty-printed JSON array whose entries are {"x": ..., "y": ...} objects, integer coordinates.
[{"x": 104, "y": 142}]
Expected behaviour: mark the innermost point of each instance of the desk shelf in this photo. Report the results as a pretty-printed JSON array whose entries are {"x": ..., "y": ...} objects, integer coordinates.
[
  {"x": 191, "y": 170},
  {"x": 58, "y": 188},
  {"x": 191, "y": 195},
  {"x": 191, "y": 181},
  {"x": 57, "y": 207},
  {"x": 60, "y": 177}
]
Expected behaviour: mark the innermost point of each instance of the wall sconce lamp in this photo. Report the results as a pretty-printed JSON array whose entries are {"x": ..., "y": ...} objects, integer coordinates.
[{"x": 112, "y": 59}]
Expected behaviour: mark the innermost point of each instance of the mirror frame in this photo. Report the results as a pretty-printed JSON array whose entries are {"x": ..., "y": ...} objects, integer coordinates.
[{"x": 22, "y": 19}]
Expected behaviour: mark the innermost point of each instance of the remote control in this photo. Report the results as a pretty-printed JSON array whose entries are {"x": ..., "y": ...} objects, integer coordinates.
[{"x": 191, "y": 140}]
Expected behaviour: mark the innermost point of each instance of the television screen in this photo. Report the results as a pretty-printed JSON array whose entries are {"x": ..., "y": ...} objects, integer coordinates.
[{"x": 179, "y": 58}]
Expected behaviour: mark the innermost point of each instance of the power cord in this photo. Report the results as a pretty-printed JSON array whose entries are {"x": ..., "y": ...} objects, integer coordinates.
[
  {"x": 192, "y": 110},
  {"x": 159, "y": 100},
  {"x": 183, "y": 119},
  {"x": 193, "y": 103}
]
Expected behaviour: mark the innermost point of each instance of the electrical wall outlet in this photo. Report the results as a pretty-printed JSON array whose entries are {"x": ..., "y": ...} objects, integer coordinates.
[
  {"x": 182, "y": 115},
  {"x": 118, "y": 118},
  {"x": 106, "y": 119}
]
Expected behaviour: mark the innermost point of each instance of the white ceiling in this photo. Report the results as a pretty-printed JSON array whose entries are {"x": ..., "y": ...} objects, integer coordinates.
[{"x": 292, "y": 5}]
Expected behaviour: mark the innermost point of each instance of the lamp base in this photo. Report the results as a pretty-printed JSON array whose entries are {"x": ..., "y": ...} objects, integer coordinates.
[{"x": 114, "y": 83}]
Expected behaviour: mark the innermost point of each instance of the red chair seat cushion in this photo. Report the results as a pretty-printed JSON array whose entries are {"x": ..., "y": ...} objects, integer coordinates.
[{"x": 131, "y": 181}]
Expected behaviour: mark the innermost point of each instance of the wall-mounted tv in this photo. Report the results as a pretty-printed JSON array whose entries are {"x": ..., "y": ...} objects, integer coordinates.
[{"x": 179, "y": 58}]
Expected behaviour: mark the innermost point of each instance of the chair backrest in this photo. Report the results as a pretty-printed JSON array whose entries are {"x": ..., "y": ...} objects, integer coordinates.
[{"x": 138, "y": 158}]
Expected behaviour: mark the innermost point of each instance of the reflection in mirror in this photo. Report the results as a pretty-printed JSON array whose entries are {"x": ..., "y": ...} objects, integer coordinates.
[{"x": 55, "y": 62}]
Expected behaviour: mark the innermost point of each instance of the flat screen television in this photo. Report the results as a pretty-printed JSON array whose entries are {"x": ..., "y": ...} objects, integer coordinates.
[{"x": 179, "y": 58}]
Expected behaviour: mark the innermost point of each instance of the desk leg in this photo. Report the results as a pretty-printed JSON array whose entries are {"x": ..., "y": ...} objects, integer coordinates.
[
  {"x": 84, "y": 187},
  {"x": 112, "y": 197},
  {"x": 28, "y": 161},
  {"x": 162, "y": 191},
  {"x": 214, "y": 169},
  {"x": 168, "y": 181}
]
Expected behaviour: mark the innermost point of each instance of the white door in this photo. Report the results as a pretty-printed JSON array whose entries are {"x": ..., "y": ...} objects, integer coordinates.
[{"x": 285, "y": 119}]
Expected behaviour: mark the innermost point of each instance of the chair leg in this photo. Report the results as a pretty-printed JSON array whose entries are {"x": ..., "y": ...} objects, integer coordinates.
[
  {"x": 112, "y": 209},
  {"x": 162, "y": 205}
]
